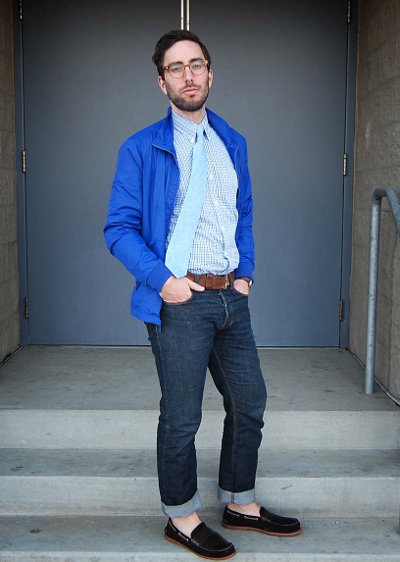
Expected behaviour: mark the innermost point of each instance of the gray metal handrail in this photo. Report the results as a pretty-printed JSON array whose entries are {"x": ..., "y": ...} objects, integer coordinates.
[{"x": 394, "y": 204}]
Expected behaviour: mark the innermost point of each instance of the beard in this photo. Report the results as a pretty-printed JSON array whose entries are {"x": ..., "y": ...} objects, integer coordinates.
[{"x": 187, "y": 104}]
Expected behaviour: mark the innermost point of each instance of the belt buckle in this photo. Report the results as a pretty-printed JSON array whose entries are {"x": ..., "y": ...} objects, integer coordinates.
[{"x": 209, "y": 281}]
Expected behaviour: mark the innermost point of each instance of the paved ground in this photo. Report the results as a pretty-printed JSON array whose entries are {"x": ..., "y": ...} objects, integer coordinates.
[{"x": 124, "y": 378}]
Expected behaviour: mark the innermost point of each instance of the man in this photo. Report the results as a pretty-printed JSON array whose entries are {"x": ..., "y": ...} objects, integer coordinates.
[{"x": 180, "y": 220}]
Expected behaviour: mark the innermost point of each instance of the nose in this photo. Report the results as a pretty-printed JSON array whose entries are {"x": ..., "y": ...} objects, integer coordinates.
[{"x": 187, "y": 73}]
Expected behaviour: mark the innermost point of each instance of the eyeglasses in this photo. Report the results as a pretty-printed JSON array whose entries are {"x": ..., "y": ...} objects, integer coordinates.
[{"x": 177, "y": 69}]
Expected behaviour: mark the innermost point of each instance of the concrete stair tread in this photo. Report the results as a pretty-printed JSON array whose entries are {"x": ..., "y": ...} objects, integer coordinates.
[
  {"x": 95, "y": 378},
  {"x": 129, "y": 539},
  {"x": 124, "y": 429},
  {"x": 93, "y": 482},
  {"x": 141, "y": 463}
]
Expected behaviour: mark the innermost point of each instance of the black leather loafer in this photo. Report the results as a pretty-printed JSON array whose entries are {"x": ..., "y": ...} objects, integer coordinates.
[
  {"x": 267, "y": 523},
  {"x": 203, "y": 541}
]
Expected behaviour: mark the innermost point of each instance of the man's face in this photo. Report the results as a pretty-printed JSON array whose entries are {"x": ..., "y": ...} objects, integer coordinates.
[{"x": 188, "y": 93}]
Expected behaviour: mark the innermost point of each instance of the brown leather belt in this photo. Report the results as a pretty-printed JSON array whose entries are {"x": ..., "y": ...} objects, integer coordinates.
[{"x": 209, "y": 281}]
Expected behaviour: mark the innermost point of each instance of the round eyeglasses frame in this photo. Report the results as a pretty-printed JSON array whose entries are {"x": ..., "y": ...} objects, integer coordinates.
[{"x": 196, "y": 67}]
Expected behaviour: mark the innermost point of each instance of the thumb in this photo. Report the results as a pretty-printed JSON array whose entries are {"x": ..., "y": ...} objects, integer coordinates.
[{"x": 195, "y": 286}]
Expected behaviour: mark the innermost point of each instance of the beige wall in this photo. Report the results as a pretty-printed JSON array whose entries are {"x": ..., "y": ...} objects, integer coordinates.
[
  {"x": 9, "y": 316},
  {"x": 377, "y": 164}
]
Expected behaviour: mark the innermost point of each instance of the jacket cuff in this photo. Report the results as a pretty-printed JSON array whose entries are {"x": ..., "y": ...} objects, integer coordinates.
[
  {"x": 244, "y": 270},
  {"x": 158, "y": 277}
]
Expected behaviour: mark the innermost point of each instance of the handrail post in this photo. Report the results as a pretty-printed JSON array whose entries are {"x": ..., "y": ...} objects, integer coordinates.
[
  {"x": 394, "y": 203},
  {"x": 372, "y": 294}
]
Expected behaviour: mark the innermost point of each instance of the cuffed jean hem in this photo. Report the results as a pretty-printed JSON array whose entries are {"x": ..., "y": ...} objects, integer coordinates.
[
  {"x": 241, "y": 498},
  {"x": 183, "y": 510}
]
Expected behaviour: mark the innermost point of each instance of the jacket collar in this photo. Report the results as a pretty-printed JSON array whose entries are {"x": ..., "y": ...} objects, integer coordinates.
[
  {"x": 165, "y": 136},
  {"x": 222, "y": 129}
]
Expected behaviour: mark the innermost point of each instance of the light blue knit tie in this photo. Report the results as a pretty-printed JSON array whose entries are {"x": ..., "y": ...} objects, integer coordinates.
[{"x": 181, "y": 243}]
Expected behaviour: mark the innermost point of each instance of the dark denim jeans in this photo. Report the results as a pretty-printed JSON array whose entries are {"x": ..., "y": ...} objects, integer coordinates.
[{"x": 212, "y": 329}]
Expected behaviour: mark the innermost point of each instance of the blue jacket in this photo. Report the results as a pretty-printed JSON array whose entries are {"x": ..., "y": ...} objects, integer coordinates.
[{"x": 141, "y": 203}]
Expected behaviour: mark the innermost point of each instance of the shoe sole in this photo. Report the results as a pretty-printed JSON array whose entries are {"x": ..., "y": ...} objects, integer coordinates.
[
  {"x": 271, "y": 533},
  {"x": 196, "y": 553}
]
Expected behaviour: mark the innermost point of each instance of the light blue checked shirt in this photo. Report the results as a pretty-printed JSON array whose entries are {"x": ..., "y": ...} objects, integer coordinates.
[{"x": 214, "y": 248}]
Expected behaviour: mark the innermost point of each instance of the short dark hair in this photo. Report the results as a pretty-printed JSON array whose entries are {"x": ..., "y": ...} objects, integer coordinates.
[{"x": 169, "y": 39}]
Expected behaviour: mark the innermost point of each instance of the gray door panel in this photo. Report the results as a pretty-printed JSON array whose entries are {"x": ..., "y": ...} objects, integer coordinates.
[
  {"x": 280, "y": 79},
  {"x": 89, "y": 84}
]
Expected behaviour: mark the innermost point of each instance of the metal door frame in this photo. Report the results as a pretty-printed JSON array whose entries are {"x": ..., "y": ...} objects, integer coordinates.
[
  {"x": 21, "y": 187},
  {"x": 348, "y": 179}
]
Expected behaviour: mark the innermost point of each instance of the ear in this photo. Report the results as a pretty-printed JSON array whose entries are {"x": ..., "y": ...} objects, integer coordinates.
[
  {"x": 210, "y": 78},
  {"x": 161, "y": 83}
]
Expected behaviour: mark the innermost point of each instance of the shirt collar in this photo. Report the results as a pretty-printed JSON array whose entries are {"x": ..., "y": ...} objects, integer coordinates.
[{"x": 187, "y": 127}]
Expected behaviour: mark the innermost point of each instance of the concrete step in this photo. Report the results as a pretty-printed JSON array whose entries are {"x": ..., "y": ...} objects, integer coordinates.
[
  {"x": 123, "y": 429},
  {"x": 135, "y": 539},
  {"x": 113, "y": 482},
  {"x": 95, "y": 378}
]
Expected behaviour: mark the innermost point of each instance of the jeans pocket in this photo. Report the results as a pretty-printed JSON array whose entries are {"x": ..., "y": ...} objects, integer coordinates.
[
  {"x": 240, "y": 292},
  {"x": 179, "y": 303}
]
